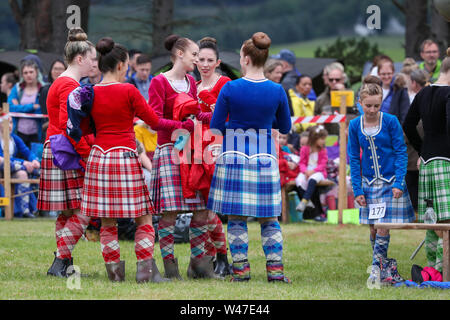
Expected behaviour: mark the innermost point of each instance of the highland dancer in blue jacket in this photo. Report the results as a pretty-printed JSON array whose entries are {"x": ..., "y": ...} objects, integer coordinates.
[{"x": 378, "y": 175}]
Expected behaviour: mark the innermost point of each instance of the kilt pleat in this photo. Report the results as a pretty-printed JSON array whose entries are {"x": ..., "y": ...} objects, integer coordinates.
[
  {"x": 114, "y": 185},
  {"x": 59, "y": 190},
  {"x": 397, "y": 210},
  {"x": 165, "y": 181},
  {"x": 246, "y": 187},
  {"x": 434, "y": 184}
]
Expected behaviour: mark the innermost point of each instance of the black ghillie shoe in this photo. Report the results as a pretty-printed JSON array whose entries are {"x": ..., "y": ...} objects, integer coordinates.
[{"x": 59, "y": 267}]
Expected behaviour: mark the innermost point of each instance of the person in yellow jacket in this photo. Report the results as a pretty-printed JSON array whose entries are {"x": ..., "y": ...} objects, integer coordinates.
[
  {"x": 301, "y": 105},
  {"x": 145, "y": 135}
]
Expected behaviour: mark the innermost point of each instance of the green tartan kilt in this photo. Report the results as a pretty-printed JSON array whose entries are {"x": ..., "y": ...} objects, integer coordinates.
[{"x": 434, "y": 183}]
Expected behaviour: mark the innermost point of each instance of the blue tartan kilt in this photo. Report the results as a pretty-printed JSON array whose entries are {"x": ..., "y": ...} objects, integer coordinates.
[
  {"x": 246, "y": 186},
  {"x": 397, "y": 210}
]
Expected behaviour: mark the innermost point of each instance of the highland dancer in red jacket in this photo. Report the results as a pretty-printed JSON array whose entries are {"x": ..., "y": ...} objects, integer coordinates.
[
  {"x": 60, "y": 190},
  {"x": 208, "y": 89},
  {"x": 166, "y": 190}
]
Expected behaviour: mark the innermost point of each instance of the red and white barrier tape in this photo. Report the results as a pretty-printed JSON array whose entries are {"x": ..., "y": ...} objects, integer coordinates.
[
  {"x": 23, "y": 115},
  {"x": 337, "y": 118}
]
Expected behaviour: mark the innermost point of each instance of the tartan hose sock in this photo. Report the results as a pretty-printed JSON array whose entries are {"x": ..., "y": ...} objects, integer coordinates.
[
  {"x": 439, "y": 255},
  {"x": 238, "y": 240},
  {"x": 198, "y": 236},
  {"x": 144, "y": 242},
  {"x": 59, "y": 225},
  {"x": 109, "y": 243},
  {"x": 69, "y": 235},
  {"x": 431, "y": 244},
  {"x": 272, "y": 241},
  {"x": 217, "y": 236},
  {"x": 241, "y": 271},
  {"x": 23, "y": 201},
  {"x": 380, "y": 249},
  {"x": 166, "y": 239}
]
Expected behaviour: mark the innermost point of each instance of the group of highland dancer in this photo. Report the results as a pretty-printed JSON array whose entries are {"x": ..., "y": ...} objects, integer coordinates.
[
  {"x": 244, "y": 180},
  {"x": 98, "y": 123}
]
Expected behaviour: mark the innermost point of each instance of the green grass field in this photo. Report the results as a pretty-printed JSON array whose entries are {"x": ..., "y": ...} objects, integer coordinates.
[
  {"x": 389, "y": 45},
  {"x": 324, "y": 262}
]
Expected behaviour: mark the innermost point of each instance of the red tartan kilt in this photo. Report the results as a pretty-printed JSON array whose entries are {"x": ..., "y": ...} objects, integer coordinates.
[
  {"x": 114, "y": 185},
  {"x": 59, "y": 190}
]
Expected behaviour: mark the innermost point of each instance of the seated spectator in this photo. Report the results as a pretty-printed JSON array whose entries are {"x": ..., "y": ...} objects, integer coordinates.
[
  {"x": 24, "y": 97},
  {"x": 8, "y": 81},
  {"x": 290, "y": 72},
  {"x": 335, "y": 78},
  {"x": 141, "y": 79},
  {"x": 24, "y": 165},
  {"x": 395, "y": 95},
  {"x": 288, "y": 161},
  {"x": 146, "y": 136},
  {"x": 301, "y": 105},
  {"x": 273, "y": 70}
]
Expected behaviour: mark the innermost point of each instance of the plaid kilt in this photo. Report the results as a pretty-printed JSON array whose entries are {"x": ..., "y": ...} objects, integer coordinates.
[
  {"x": 165, "y": 184},
  {"x": 397, "y": 210},
  {"x": 59, "y": 190},
  {"x": 246, "y": 187},
  {"x": 114, "y": 185},
  {"x": 434, "y": 184}
]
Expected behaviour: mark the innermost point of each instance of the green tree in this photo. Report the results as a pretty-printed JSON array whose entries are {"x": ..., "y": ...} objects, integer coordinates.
[{"x": 352, "y": 53}]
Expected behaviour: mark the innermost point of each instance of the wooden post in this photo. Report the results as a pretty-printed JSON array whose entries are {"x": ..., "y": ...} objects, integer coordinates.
[
  {"x": 342, "y": 197},
  {"x": 7, "y": 163},
  {"x": 446, "y": 257}
]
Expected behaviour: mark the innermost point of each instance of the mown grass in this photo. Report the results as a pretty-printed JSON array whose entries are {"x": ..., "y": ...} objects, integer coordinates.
[{"x": 324, "y": 262}]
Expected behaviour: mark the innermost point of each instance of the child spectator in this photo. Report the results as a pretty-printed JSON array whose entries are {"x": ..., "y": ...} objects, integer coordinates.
[
  {"x": 24, "y": 165},
  {"x": 313, "y": 161}
]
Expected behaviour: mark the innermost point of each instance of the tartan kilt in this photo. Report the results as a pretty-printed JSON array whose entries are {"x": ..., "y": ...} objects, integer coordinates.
[
  {"x": 165, "y": 181},
  {"x": 434, "y": 184},
  {"x": 59, "y": 190},
  {"x": 246, "y": 187},
  {"x": 114, "y": 185},
  {"x": 397, "y": 210}
]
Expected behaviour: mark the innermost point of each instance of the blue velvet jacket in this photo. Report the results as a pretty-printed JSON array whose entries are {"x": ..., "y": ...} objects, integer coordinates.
[{"x": 384, "y": 154}]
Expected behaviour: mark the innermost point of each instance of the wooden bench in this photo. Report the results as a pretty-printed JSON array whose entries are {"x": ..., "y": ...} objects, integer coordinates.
[
  {"x": 285, "y": 197},
  {"x": 445, "y": 227}
]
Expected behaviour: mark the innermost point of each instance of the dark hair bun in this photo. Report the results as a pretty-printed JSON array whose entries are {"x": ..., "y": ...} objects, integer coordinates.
[
  {"x": 105, "y": 45},
  {"x": 170, "y": 41},
  {"x": 76, "y": 34},
  {"x": 261, "y": 40},
  {"x": 208, "y": 39}
]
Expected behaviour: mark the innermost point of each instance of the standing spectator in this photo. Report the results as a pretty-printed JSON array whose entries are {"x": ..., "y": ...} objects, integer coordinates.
[
  {"x": 113, "y": 158},
  {"x": 141, "y": 79},
  {"x": 429, "y": 52},
  {"x": 24, "y": 164},
  {"x": 395, "y": 95},
  {"x": 208, "y": 89},
  {"x": 60, "y": 190},
  {"x": 273, "y": 70},
  {"x": 378, "y": 175},
  {"x": 24, "y": 97},
  {"x": 432, "y": 107},
  {"x": 245, "y": 187},
  {"x": 290, "y": 72},
  {"x": 94, "y": 76},
  {"x": 134, "y": 54},
  {"x": 58, "y": 66},
  {"x": 166, "y": 191}
]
